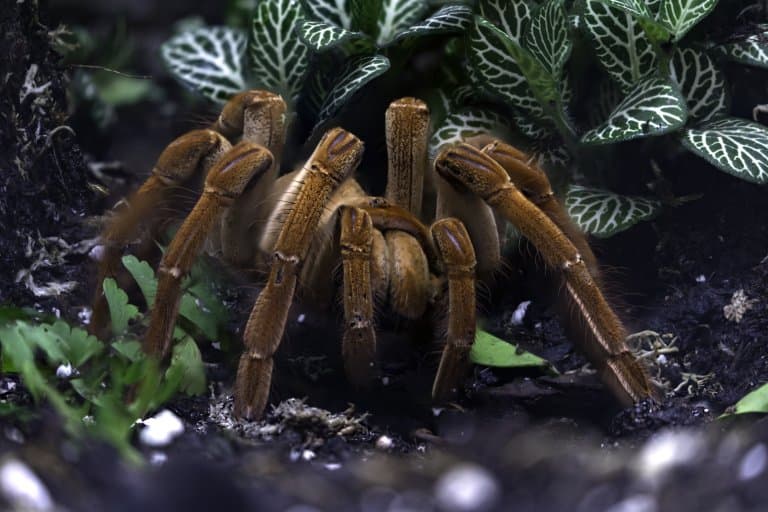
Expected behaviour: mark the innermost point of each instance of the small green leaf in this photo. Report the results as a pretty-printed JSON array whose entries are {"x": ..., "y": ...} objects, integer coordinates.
[
  {"x": 548, "y": 40},
  {"x": 79, "y": 346},
  {"x": 653, "y": 107},
  {"x": 736, "y": 146},
  {"x": 753, "y": 50},
  {"x": 396, "y": 16},
  {"x": 186, "y": 372},
  {"x": 450, "y": 19},
  {"x": 511, "y": 16},
  {"x": 120, "y": 310},
  {"x": 320, "y": 36},
  {"x": 131, "y": 350},
  {"x": 144, "y": 276},
  {"x": 701, "y": 82},
  {"x": 463, "y": 124},
  {"x": 278, "y": 56},
  {"x": 679, "y": 16},
  {"x": 603, "y": 214},
  {"x": 359, "y": 71},
  {"x": 756, "y": 401},
  {"x": 620, "y": 42},
  {"x": 488, "y": 350},
  {"x": 208, "y": 60}
]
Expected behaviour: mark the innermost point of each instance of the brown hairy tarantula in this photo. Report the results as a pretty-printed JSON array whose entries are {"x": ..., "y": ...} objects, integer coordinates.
[{"x": 299, "y": 225}]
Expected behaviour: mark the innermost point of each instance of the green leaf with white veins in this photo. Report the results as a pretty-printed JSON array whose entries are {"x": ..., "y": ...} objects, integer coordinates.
[
  {"x": 396, "y": 16},
  {"x": 494, "y": 58},
  {"x": 208, "y": 60},
  {"x": 653, "y": 107},
  {"x": 701, "y": 82},
  {"x": 679, "y": 16},
  {"x": 547, "y": 39},
  {"x": 359, "y": 72},
  {"x": 736, "y": 146},
  {"x": 321, "y": 36},
  {"x": 466, "y": 123},
  {"x": 332, "y": 12},
  {"x": 278, "y": 56},
  {"x": 511, "y": 16},
  {"x": 602, "y": 213},
  {"x": 451, "y": 19},
  {"x": 620, "y": 42},
  {"x": 637, "y": 8},
  {"x": 752, "y": 51}
]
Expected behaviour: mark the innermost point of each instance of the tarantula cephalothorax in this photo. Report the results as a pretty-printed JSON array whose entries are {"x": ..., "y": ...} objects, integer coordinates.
[{"x": 299, "y": 225}]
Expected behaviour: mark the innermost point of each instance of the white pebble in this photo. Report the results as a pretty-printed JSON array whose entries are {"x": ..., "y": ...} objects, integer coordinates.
[
  {"x": 161, "y": 429},
  {"x": 467, "y": 487},
  {"x": 22, "y": 488},
  {"x": 753, "y": 463},
  {"x": 157, "y": 458},
  {"x": 385, "y": 381},
  {"x": 661, "y": 360},
  {"x": 96, "y": 253},
  {"x": 667, "y": 450},
  {"x": 332, "y": 466},
  {"x": 85, "y": 315},
  {"x": 301, "y": 318},
  {"x": 64, "y": 371},
  {"x": 701, "y": 278},
  {"x": 308, "y": 455},
  {"x": 636, "y": 503},
  {"x": 519, "y": 313},
  {"x": 384, "y": 443}
]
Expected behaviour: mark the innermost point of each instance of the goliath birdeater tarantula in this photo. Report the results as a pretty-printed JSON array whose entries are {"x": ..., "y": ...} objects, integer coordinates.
[{"x": 299, "y": 225}]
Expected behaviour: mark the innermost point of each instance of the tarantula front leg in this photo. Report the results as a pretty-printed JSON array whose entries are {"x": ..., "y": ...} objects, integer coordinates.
[
  {"x": 335, "y": 158},
  {"x": 458, "y": 263},
  {"x": 604, "y": 341},
  {"x": 182, "y": 159},
  {"x": 224, "y": 183}
]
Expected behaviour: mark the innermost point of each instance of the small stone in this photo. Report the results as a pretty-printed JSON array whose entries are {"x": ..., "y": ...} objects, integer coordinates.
[
  {"x": 666, "y": 450},
  {"x": 753, "y": 463},
  {"x": 161, "y": 429},
  {"x": 157, "y": 458},
  {"x": 64, "y": 371},
  {"x": 519, "y": 314},
  {"x": 467, "y": 487},
  {"x": 701, "y": 278},
  {"x": 636, "y": 503},
  {"x": 22, "y": 489},
  {"x": 308, "y": 455},
  {"x": 384, "y": 443}
]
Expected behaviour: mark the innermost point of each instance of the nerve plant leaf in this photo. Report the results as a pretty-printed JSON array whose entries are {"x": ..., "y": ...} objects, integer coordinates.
[
  {"x": 320, "y": 36},
  {"x": 701, "y": 82},
  {"x": 511, "y": 16},
  {"x": 736, "y": 146},
  {"x": 120, "y": 311},
  {"x": 465, "y": 123},
  {"x": 620, "y": 43},
  {"x": 396, "y": 16},
  {"x": 637, "y": 8},
  {"x": 679, "y": 16},
  {"x": 652, "y": 107},
  {"x": 358, "y": 72},
  {"x": 450, "y": 19},
  {"x": 753, "y": 50},
  {"x": 547, "y": 39},
  {"x": 208, "y": 60},
  {"x": 488, "y": 350},
  {"x": 331, "y": 12},
  {"x": 603, "y": 214},
  {"x": 278, "y": 56}
]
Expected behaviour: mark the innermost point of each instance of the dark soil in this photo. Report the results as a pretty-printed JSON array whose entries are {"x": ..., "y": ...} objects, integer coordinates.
[{"x": 522, "y": 441}]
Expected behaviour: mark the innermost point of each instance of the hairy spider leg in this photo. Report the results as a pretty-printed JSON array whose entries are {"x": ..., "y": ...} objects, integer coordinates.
[
  {"x": 337, "y": 155},
  {"x": 467, "y": 167}
]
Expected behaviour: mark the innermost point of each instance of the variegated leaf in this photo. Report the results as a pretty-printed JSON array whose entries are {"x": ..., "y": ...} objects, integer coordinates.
[
  {"x": 511, "y": 16},
  {"x": 278, "y": 56},
  {"x": 637, "y": 8},
  {"x": 620, "y": 42},
  {"x": 736, "y": 146},
  {"x": 498, "y": 68},
  {"x": 332, "y": 12},
  {"x": 208, "y": 60},
  {"x": 752, "y": 51},
  {"x": 396, "y": 16},
  {"x": 466, "y": 123},
  {"x": 653, "y": 107},
  {"x": 609, "y": 97},
  {"x": 359, "y": 71},
  {"x": 602, "y": 213},
  {"x": 547, "y": 39},
  {"x": 549, "y": 152},
  {"x": 701, "y": 82},
  {"x": 320, "y": 36},
  {"x": 451, "y": 19},
  {"x": 679, "y": 16}
]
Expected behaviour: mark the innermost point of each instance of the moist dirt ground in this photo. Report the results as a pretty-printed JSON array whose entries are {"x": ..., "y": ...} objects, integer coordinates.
[{"x": 514, "y": 440}]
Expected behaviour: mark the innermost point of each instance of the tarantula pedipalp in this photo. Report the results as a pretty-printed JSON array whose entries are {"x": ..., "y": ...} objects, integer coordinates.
[{"x": 319, "y": 214}]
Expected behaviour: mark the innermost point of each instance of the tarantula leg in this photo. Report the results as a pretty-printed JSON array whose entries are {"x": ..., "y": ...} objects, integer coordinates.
[
  {"x": 458, "y": 261},
  {"x": 223, "y": 184},
  {"x": 407, "y": 130},
  {"x": 534, "y": 184},
  {"x": 358, "y": 347},
  {"x": 177, "y": 164},
  {"x": 334, "y": 159},
  {"x": 603, "y": 336}
]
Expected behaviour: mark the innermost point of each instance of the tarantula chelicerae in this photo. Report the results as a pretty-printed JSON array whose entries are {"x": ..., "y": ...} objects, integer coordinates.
[{"x": 300, "y": 224}]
